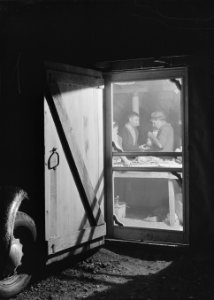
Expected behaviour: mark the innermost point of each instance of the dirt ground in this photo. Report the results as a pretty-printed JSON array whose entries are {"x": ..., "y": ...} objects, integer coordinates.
[{"x": 125, "y": 271}]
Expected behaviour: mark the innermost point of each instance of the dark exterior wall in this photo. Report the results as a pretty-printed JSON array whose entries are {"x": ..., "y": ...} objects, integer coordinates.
[
  {"x": 201, "y": 90},
  {"x": 22, "y": 141}
]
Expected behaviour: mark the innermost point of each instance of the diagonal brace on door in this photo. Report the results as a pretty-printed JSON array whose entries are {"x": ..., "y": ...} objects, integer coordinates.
[{"x": 73, "y": 154}]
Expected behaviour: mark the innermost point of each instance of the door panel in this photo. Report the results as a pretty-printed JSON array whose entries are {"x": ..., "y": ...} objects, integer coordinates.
[{"x": 74, "y": 189}]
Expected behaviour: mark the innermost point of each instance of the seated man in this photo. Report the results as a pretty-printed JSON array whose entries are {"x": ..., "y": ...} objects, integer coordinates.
[
  {"x": 130, "y": 133},
  {"x": 164, "y": 139},
  {"x": 116, "y": 144}
]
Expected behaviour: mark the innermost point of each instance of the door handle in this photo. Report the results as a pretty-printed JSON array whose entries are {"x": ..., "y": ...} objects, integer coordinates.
[{"x": 53, "y": 160}]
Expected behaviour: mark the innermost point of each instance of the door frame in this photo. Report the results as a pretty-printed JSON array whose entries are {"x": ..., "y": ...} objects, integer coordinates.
[{"x": 146, "y": 235}]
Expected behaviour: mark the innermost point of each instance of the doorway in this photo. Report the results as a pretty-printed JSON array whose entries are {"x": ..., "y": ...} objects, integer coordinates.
[{"x": 147, "y": 159}]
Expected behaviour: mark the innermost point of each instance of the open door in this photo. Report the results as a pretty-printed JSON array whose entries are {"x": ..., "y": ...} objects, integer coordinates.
[
  {"x": 74, "y": 175},
  {"x": 147, "y": 155}
]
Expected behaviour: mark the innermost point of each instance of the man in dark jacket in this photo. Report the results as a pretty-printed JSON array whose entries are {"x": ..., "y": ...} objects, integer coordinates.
[{"x": 130, "y": 133}]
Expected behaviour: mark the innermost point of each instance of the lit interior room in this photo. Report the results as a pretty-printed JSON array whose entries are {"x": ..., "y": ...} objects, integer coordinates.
[{"x": 142, "y": 199}]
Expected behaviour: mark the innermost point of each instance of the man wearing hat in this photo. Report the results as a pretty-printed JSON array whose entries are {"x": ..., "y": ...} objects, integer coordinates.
[{"x": 164, "y": 140}]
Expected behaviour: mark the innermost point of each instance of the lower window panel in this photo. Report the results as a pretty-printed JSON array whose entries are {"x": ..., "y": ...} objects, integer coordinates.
[{"x": 148, "y": 200}]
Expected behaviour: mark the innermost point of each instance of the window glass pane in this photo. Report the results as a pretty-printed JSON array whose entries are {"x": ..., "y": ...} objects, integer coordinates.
[
  {"x": 147, "y": 115},
  {"x": 148, "y": 199}
]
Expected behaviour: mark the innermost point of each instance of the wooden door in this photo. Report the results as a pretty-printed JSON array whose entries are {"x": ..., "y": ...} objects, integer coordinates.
[{"x": 74, "y": 176}]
